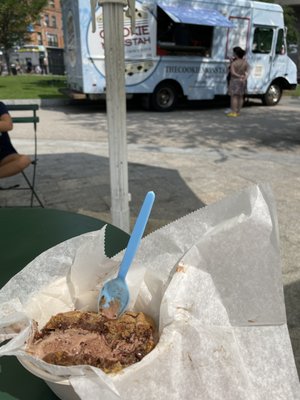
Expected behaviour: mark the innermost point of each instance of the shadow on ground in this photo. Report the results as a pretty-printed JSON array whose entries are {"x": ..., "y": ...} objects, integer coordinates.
[
  {"x": 200, "y": 125},
  {"x": 80, "y": 182}
]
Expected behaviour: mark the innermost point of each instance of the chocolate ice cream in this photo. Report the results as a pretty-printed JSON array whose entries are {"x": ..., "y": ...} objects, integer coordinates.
[{"x": 76, "y": 338}]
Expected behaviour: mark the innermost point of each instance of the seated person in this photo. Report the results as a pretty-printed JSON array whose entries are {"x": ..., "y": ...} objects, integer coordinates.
[{"x": 11, "y": 163}]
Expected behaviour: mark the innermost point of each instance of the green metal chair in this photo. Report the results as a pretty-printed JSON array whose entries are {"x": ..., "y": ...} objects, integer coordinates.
[{"x": 34, "y": 119}]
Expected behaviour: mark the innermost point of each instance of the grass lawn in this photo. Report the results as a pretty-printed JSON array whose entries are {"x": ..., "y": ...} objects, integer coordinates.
[
  {"x": 47, "y": 86},
  {"x": 31, "y": 86},
  {"x": 292, "y": 92}
]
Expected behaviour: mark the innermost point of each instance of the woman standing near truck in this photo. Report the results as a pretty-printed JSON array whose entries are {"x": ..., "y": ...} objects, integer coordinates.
[{"x": 238, "y": 81}]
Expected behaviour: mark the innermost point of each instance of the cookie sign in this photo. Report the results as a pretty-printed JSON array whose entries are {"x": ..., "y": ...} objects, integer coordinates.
[{"x": 138, "y": 46}]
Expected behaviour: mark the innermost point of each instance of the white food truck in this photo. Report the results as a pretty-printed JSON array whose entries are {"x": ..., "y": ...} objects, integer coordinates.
[{"x": 181, "y": 48}]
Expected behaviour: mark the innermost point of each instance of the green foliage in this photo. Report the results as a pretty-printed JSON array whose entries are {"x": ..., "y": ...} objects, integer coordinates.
[
  {"x": 15, "y": 17},
  {"x": 290, "y": 21}
]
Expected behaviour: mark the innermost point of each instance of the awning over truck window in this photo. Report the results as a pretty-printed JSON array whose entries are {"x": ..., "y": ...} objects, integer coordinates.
[{"x": 187, "y": 14}]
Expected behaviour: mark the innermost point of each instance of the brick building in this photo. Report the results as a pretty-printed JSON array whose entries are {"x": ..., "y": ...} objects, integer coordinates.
[{"x": 47, "y": 34}]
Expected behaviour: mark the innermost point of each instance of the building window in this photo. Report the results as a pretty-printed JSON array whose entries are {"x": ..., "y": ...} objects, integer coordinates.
[
  {"x": 52, "y": 40},
  {"x": 53, "y": 21},
  {"x": 39, "y": 38},
  {"x": 46, "y": 17},
  {"x": 52, "y": 3}
]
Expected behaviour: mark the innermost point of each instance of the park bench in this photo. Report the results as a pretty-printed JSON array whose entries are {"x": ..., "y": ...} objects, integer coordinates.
[{"x": 15, "y": 109}]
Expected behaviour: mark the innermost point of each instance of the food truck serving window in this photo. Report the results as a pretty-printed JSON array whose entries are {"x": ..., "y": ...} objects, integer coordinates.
[{"x": 184, "y": 30}]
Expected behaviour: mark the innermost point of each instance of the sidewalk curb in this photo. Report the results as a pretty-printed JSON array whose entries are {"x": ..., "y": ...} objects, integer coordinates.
[
  {"x": 48, "y": 102},
  {"x": 41, "y": 102}
]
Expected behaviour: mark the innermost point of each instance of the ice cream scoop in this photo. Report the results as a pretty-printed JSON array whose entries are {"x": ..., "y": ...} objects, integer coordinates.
[{"x": 114, "y": 296}]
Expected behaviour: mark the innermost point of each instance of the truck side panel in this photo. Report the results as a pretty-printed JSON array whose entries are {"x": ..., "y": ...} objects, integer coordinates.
[{"x": 81, "y": 72}]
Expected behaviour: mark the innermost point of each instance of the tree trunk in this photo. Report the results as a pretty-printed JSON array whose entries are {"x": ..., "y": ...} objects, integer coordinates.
[{"x": 6, "y": 57}]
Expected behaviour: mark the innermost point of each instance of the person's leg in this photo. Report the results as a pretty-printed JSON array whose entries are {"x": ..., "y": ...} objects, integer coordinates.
[
  {"x": 240, "y": 103},
  {"x": 235, "y": 104},
  {"x": 13, "y": 164}
]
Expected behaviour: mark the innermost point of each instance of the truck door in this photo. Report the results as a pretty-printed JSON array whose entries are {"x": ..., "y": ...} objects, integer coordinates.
[
  {"x": 267, "y": 59},
  {"x": 279, "y": 60},
  {"x": 261, "y": 59}
]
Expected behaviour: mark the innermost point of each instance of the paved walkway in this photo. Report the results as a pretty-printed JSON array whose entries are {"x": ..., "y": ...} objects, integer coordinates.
[{"x": 192, "y": 157}]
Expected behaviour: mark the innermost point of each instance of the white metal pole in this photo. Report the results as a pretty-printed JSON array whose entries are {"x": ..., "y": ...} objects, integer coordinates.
[{"x": 113, "y": 23}]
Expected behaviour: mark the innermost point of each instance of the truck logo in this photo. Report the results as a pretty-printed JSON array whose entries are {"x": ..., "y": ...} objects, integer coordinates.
[
  {"x": 137, "y": 68},
  {"x": 203, "y": 69}
]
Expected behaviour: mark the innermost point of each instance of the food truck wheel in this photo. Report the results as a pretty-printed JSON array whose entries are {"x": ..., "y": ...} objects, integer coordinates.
[
  {"x": 273, "y": 95},
  {"x": 164, "y": 97}
]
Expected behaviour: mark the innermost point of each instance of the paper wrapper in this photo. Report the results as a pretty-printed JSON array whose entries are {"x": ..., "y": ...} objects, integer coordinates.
[{"x": 212, "y": 282}]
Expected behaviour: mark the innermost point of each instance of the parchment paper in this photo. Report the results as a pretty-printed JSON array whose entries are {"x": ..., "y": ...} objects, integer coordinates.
[{"x": 212, "y": 282}]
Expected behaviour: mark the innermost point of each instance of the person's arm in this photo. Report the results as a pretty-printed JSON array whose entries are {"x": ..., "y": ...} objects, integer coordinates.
[
  {"x": 235, "y": 73},
  {"x": 6, "y": 123}
]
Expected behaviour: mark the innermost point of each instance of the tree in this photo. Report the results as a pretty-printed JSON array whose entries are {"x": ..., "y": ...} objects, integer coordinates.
[
  {"x": 15, "y": 19},
  {"x": 290, "y": 21}
]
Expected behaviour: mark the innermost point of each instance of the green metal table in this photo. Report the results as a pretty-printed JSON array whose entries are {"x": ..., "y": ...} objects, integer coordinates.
[{"x": 24, "y": 234}]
